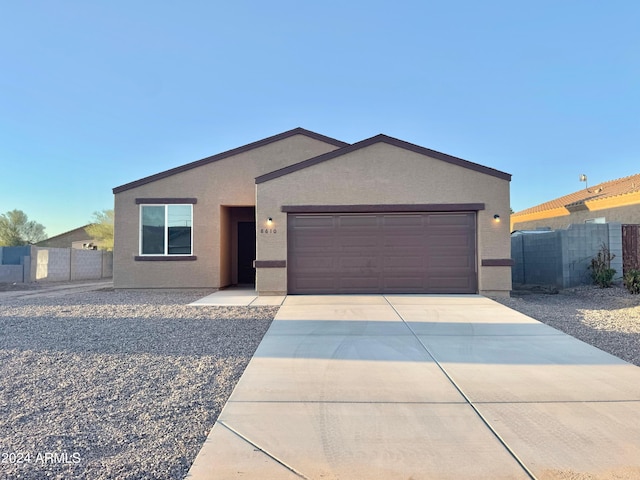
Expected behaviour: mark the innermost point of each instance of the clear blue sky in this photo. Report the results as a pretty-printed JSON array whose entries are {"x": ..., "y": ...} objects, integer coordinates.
[{"x": 97, "y": 94}]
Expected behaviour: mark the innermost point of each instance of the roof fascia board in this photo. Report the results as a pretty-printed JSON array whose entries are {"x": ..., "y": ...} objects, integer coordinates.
[
  {"x": 390, "y": 141},
  {"x": 230, "y": 153}
]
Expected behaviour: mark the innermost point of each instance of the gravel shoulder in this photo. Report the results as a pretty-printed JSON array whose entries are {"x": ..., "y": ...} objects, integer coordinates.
[
  {"x": 607, "y": 318},
  {"x": 110, "y": 384}
]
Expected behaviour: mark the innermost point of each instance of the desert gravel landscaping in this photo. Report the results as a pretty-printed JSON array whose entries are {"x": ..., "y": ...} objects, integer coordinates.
[
  {"x": 607, "y": 318},
  {"x": 116, "y": 385},
  {"x": 127, "y": 384}
]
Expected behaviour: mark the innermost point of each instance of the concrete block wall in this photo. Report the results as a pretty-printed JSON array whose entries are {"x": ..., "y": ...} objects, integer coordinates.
[
  {"x": 517, "y": 255},
  {"x": 107, "y": 264},
  {"x": 11, "y": 273},
  {"x": 85, "y": 264},
  {"x": 562, "y": 257},
  {"x": 50, "y": 264},
  {"x": 580, "y": 243},
  {"x": 615, "y": 245},
  {"x": 541, "y": 258}
]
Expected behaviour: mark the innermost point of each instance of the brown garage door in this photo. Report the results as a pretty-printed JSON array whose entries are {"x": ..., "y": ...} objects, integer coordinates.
[{"x": 382, "y": 253}]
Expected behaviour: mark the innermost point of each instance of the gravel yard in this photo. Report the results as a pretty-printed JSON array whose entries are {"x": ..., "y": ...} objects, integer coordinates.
[
  {"x": 116, "y": 385},
  {"x": 127, "y": 385},
  {"x": 607, "y": 318}
]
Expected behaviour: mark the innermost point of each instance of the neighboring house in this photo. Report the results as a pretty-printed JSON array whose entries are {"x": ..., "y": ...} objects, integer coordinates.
[
  {"x": 303, "y": 213},
  {"x": 76, "y": 238},
  {"x": 613, "y": 201}
]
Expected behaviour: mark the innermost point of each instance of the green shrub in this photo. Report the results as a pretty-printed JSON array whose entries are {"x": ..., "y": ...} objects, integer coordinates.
[
  {"x": 601, "y": 271},
  {"x": 632, "y": 281}
]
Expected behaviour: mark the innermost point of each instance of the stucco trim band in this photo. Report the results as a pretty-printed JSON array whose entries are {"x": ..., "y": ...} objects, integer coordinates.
[
  {"x": 498, "y": 262},
  {"x": 168, "y": 201},
  {"x": 270, "y": 263},
  {"x": 428, "y": 207},
  {"x": 165, "y": 258}
]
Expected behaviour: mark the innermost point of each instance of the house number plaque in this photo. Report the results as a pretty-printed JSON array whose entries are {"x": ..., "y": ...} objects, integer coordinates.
[{"x": 268, "y": 230}]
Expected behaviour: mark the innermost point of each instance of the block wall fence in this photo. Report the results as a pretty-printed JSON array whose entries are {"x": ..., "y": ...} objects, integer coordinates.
[
  {"x": 562, "y": 257},
  {"x": 42, "y": 264}
]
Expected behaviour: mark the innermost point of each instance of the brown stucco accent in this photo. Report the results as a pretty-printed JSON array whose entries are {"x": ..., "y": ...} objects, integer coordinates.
[
  {"x": 497, "y": 262},
  {"x": 384, "y": 208},
  {"x": 270, "y": 263},
  {"x": 388, "y": 140},
  {"x": 144, "y": 201},
  {"x": 229, "y": 153},
  {"x": 165, "y": 258}
]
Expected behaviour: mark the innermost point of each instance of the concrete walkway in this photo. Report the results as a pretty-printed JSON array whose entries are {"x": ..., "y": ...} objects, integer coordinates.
[
  {"x": 424, "y": 387},
  {"x": 56, "y": 289},
  {"x": 237, "y": 296}
]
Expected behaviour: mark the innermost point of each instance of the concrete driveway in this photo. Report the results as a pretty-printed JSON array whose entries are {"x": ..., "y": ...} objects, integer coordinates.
[{"x": 424, "y": 387}]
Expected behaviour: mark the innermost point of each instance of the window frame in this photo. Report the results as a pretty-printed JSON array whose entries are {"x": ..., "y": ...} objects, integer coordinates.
[{"x": 166, "y": 253}]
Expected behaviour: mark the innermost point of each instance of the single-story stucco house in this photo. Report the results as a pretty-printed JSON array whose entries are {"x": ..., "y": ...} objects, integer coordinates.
[
  {"x": 302, "y": 213},
  {"x": 613, "y": 201}
]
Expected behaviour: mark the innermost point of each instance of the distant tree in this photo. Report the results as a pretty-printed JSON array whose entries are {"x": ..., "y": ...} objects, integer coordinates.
[
  {"x": 101, "y": 229},
  {"x": 16, "y": 230}
]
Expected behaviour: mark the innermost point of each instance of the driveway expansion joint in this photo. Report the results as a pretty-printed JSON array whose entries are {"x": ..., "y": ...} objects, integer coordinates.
[
  {"x": 467, "y": 399},
  {"x": 257, "y": 447}
]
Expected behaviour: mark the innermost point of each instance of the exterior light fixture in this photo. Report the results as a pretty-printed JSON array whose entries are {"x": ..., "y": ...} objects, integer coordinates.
[
  {"x": 269, "y": 221},
  {"x": 496, "y": 217}
]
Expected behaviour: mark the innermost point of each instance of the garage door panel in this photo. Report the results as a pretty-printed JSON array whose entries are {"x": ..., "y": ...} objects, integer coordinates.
[
  {"x": 382, "y": 253},
  {"x": 400, "y": 221},
  {"x": 314, "y": 221},
  {"x": 358, "y": 221},
  {"x": 447, "y": 284},
  {"x": 409, "y": 282},
  {"x": 446, "y": 241},
  {"x": 316, "y": 263},
  {"x": 320, "y": 242},
  {"x": 449, "y": 219},
  {"x": 401, "y": 240},
  {"x": 399, "y": 262},
  {"x": 358, "y": 283},
  {"x": 361, "y": 263},
  {"x": 358, "y": 240},
  {"x": 449, "y": 263}
]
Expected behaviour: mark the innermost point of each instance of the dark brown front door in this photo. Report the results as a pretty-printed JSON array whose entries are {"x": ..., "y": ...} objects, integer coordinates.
[
  {"x": 246, "y": 252},
  {"x": 382, "y": 253}
]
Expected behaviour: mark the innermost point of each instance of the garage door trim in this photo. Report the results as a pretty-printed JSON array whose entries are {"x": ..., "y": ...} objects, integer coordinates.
[{"x": 386, "y": 208}]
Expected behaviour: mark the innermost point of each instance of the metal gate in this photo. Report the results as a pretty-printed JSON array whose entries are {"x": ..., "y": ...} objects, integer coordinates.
[{"x": 630, "y": 247}]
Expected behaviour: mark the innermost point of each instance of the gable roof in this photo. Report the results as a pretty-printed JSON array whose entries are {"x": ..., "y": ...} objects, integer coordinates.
[
  {"x": 605, "y": 190},
  {"x": 229, "y": 153},
  {"x": 70, "y": 233},
  {"x": 390, "y": 141}
]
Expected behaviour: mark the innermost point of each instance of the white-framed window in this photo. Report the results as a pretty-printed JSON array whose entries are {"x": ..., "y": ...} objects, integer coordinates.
[{"x": 166, "y": 229}]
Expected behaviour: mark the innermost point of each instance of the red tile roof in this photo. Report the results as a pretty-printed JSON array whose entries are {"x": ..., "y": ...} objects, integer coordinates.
[{"x": 612, "y": 188}]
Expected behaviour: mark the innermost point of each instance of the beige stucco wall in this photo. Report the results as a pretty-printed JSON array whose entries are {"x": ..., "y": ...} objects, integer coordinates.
[
  {"x": 381, "y": 174},
  {"x": 227, "y": 182},
  {"x": 629, "y": 214}
]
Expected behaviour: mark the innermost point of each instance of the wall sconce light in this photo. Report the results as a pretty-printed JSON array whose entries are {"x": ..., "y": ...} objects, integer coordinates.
[
  {"x": 269, "y": 221},
  {"x": 496, "y": 217}
]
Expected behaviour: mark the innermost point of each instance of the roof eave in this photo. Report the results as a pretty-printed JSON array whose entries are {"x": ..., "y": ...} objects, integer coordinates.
[
  {"x": 227, "y": 154},
  {"x": 390, "y": 141}
]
